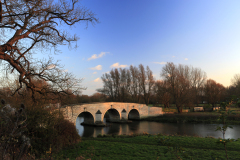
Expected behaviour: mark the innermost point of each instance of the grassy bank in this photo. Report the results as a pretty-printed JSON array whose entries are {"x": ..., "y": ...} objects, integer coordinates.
[
  {"x": 194, "y": 117},
  {"x": 174, "y": 109},
  {"x": 148, "y": 147}
]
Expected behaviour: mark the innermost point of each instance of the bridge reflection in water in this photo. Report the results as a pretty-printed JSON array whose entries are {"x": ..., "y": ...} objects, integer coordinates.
[{"x": 202, "y": 130}]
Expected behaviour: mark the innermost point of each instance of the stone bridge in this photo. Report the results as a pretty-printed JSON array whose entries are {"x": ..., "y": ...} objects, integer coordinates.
[{"x": 95, "y": 113}]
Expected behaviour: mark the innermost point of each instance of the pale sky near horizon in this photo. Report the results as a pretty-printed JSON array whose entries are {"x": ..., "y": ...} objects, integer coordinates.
[{"x": 204, "y": 34}]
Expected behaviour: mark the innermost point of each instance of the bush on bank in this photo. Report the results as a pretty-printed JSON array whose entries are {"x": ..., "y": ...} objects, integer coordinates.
[{"x": 46, "y": 128}]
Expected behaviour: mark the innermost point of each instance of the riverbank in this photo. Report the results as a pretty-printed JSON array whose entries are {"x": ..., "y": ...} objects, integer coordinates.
[
  {"x": 148, "y": 147},
  {"x": 194, "y": 117}
]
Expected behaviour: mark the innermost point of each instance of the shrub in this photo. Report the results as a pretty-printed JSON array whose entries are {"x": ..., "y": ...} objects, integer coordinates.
[
  {"x": 207, "y": 106},
  {"x": 49, "y": 131},
  {"x": 13, "y": 140},
  {"x": 45, "y": 129},
  {"x": 66, "y": 134}
]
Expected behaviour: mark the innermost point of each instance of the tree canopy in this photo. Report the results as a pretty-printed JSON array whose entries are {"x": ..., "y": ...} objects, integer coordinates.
[
  {"x": 185, "y": 83},
  {"x": 32, "y": 26},
  {"x": 126, "y": 85}
]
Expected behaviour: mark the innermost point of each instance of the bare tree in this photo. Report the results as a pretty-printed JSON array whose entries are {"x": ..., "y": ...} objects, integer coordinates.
[
  {"x": 146, "y": 82},
  {"x": 112, "y": 84},
  {"x": 125, "y": 84},
  {"x": 128, "y": 84},
  {"x": 214, "y": 92},
  {"x": 179, "y": 80},
  {"x": 108, "y": 86},
  {"x": 115, "y": 75},
  {"x": 32, "y": 26},
  {"x": 234, "y": 89},
  {"x": 198, "y": 78},
  {"x": 162, "y": 94},
  {"x": 134, "y": 87},
  {"x": 236, "y": 80}
]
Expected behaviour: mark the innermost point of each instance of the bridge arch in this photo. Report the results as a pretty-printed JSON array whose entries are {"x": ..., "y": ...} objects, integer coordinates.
[
  {"x": 112, "y": 115},
  {"x": 134, "y": 114},
  {"x": 88, "y": 118},
  {"x": 121, "y": 111}
]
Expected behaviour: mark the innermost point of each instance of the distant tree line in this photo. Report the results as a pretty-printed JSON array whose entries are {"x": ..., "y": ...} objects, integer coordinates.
[
  {"x": 234, "y": 88},
  {"x": 24, "y": 95},
  {"x": 128, "y": 85},
  {"x": 96, "y": 97},
  {"x": 182, "y": 85}
]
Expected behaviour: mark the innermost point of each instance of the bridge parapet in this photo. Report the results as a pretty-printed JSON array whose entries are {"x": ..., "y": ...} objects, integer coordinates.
[{"x": 117, "y": 111}]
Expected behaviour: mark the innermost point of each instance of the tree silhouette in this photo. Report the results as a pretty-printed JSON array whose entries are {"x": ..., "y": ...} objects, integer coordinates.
[
  {"x": 33, "y": 26},
  {"x": 215, "y": 92},
  {"x": 184, "y": 83}
]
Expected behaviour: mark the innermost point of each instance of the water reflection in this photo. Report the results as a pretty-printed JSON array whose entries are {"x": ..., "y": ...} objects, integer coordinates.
[{"x": 202, "y": 130}]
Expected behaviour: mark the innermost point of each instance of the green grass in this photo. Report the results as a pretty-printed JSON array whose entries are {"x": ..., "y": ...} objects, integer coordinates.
[
  {"x": 147, "y": 147},
  {"x": 235, "y": 110},
  {"x": 174, "y": 110},
  {"x": 173, "y": 105}
]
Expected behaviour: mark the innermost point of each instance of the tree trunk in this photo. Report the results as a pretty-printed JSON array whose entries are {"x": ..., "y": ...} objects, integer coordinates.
[
  {"x": 166, "y": 104},
  {"x": 179, "y": 109}
]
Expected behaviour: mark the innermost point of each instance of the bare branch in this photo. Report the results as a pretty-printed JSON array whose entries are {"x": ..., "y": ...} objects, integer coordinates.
[{"x": 33, "y": 25}]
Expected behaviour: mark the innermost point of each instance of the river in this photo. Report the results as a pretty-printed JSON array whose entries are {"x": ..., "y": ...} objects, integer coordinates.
[{"x": 137, "y": 127}]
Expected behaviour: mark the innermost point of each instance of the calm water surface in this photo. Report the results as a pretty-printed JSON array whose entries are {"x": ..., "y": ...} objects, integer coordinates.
[{"x": 202, "y": 130}]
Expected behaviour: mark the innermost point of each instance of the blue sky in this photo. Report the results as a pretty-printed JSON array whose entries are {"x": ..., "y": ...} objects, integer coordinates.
[{"x": 204, "y": 34}]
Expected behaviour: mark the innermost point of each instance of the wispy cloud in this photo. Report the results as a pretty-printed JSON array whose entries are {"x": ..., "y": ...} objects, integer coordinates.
[
  {"x": 51, "y": 66},
  {"x": 117, "y": 65},
  {"x": 95, "y": 56},
  {"x": 160, "y": 62},
  {"x": 97, "y": 80},
  {"x": 94, "y": 72},
  {"x": 173, "y": 56},
  {"x": 186, "y": 59},
  {"x": 98, "y": 67}
]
